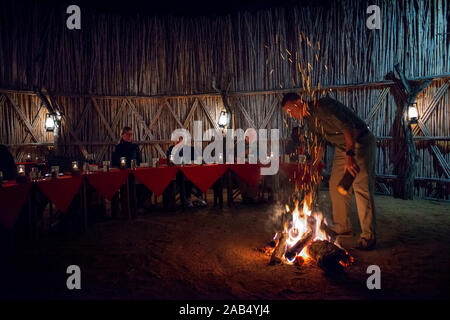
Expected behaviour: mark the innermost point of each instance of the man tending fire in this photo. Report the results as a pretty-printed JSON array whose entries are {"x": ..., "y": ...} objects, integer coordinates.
[{"x": 354, "y": 158}]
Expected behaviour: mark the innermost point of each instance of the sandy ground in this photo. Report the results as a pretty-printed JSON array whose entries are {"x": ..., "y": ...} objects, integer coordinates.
[{"x": 212, "y": 254}]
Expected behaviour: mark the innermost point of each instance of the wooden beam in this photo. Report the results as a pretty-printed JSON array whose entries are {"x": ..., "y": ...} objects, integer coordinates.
[
  {"x": 436, "y": 150},
  {"x": 19, "y": 153},
  {"x": 69, "y": 128},
  {"x": 245, "y": 114},
  {"x": 22, "y": 117},
  {"x": 84, "y": 113},
  {"x": 156, "y": 118},
  {"x": 377, "y": 105},
  {"x": 191, "y": 113},
  {"x": 361, "y": 85},
  {"x": 209, "y": 115},
  {"x": 116, "y": 119},
  {"x": 173, "y": 114},
  {"x": 143, "y": 125},
  {"x": 102, "y": 118},
  {"x": 431, "y": 107},
  {"x": 271, "y": 112}
]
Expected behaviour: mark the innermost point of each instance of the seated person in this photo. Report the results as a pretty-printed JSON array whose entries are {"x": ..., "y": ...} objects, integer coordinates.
[
  {"x": 126, "y": 148},
  {"x": 189, "y": 187},
  {"x": 7, "y": 164}
]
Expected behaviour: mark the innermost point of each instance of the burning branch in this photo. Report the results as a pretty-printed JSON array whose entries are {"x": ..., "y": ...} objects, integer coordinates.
[{"x": 293, "y": 251}]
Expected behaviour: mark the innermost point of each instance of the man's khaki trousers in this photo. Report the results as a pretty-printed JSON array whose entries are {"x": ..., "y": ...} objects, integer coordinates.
[{"x": 363, "y": 186}]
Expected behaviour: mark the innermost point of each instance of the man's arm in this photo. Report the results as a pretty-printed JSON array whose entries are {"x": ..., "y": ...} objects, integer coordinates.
[{"x": 350, "y": 163}]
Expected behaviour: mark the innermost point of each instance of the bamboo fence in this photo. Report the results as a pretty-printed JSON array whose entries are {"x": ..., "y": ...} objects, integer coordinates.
[{"x": 156, "y": 74}]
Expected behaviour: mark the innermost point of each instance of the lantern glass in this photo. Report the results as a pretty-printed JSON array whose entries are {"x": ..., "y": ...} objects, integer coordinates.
[
  {"x": 75, "y": 166},
  {"x": 223, "y": 119},
  {"x": 123, "y": 162},
  {"x": 413, "y": 114},
  {"x": 49, "y": 123},
  {"x": 21, "y": 170}
]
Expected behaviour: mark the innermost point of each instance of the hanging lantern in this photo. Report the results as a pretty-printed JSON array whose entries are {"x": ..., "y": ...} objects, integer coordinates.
[
  {"x": 223, "y": 119},
  {"x": 413, "y": 113},
  {"x": 50, "y": 122}
]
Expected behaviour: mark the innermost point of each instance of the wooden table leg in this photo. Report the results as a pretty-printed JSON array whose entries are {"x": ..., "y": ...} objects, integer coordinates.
[
  {"x": 182, "y": 191},
  {"x": 132, "y": 196},
  {"x": 30, "y": 215},
  {"x": 84, "y": 205},
  {"x": 229, "y": 189}
]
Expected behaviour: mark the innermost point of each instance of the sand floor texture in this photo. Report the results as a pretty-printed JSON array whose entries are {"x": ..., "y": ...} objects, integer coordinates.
[{"x": 209, "y": 253}]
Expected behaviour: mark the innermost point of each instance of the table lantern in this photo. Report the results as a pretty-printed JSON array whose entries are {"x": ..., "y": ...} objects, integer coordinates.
[
  {"x": 220, "y": 157},
  {"x": 106, "y": 166},
  {"x": 21, "y": 175},
  {"x": 75, "y": 168},
  {"x": 133, "y": 164},
  {"x": 123, "y": 162},
  {"x": 54, "y": 170},
  {"x": 34, "y": 174},
  {"x": 21, "y": 170}
]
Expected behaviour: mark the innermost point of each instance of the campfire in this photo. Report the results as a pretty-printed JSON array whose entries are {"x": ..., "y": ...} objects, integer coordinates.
[{"x": 306, "y": 237}]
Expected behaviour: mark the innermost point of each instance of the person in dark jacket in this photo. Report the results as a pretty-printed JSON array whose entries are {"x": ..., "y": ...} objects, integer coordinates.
[
  {"x": 126, "y": 148},
  {"x": 189, "y": 187},
  {"x": 7, "y": 164}
]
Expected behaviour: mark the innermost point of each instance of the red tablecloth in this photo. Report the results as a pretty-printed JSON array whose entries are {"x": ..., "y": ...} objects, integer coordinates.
[
  {"x": 299, "y": 173},
  {"x": 61, "y": 191},
  {"x": 12, "y": 199},
  {"x": 204, "y": 176},
  {"x": 250, "y": 173},
  {"x": 156, "y": 179},
  {"x": 108, "y": 183}
]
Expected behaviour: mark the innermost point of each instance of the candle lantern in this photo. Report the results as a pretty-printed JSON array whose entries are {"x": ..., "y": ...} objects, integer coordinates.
[
  {"x": 34, "y": 174},
  {"x": 21, "y": 170},
  {"x": 413, "y": 113},
  {"x": 29, "y": 159},
  {"x": 21, "y": 175},
  {"x": 123, "y": 162},
  {"x": 75, "y": 168},
  {"x": 106, "y": 165},
  {"x": 54, "y": 170},
  {"x": 133, "y": 164}
]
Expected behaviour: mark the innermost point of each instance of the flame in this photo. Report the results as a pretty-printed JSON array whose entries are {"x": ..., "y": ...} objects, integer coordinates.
[{"x": 299, "y": 226}]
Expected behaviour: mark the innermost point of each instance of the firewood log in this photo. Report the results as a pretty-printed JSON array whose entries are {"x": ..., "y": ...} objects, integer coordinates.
[
  {"x": 298, "y": 247},
  {"x": 328, "y": 256},
  {"x": 328, "y": 231},
  {"x": 277, "y": 254}
]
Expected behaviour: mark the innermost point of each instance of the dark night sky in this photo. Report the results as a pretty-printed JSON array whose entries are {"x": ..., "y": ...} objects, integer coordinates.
[{"x": 187, "y": 7}]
